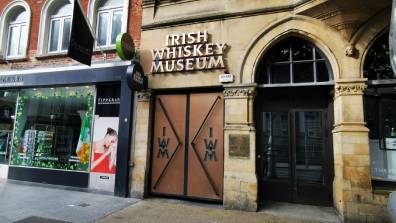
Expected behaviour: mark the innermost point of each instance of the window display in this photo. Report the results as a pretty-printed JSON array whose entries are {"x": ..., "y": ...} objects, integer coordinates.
[
  {"x": 379, "y": 110},
  {"x": 53, "y": 128},
  {"x": 380, "y": 104},
  {"x": 7, "y": 110}
]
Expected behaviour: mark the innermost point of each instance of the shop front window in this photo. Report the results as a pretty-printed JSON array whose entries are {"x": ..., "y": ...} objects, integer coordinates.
[
  {"x": 380, "y": 110},
  {"x": 53, "y": 128},
  {"x": 7, "y": 110}
]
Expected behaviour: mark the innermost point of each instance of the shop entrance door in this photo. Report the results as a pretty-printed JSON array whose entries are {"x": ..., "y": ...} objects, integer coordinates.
[
  {"x": 187, "y": 154},
  {"x": 292, "y": 155}
]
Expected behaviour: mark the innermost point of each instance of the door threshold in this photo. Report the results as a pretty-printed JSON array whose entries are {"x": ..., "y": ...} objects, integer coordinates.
[
  {"x": 186, "y": 201},
  {"x": 301, "y": 211}
]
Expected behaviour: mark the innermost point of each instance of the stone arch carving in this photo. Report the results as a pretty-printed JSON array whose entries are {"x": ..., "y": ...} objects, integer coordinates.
[
  {"x": 301, "y": 26},
  {"x": 5, "y": 15}
]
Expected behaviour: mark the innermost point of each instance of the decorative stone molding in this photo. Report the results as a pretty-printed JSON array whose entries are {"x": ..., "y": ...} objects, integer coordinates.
[
  {"x": 350, "y": 51},
  {"x": 163, "y": 2},
  {"x": 352, "y": 88},
  {"x": 240, "y": 91},
  {"x": 328, "y": 15},
  {"x": 144, "y": 96}
]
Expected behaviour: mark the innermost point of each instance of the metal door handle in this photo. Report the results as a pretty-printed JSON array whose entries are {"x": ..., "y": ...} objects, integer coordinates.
[{"x": 259, "y": 156}]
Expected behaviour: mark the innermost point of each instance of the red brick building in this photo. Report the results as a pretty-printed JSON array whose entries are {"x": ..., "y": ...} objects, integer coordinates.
[
  {"x": 59, "y": 118},
  {"x": 35, "y": 58}
]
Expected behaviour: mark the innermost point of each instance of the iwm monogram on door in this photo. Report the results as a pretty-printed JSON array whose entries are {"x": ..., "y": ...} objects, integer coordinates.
[{"x": 187, "y": 146}]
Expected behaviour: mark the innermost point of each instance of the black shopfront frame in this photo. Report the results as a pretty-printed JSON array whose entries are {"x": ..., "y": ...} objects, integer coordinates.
[{"x": 72, "y": 77}]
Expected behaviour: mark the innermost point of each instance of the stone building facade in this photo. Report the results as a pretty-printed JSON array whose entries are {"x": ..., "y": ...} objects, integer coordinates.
[{"x": 336, "y": 36}]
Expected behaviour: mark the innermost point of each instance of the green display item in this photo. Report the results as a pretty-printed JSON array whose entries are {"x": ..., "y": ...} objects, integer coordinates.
[
  {"x": 125, "y": 46},
  {"x": 42, "y": 157}
]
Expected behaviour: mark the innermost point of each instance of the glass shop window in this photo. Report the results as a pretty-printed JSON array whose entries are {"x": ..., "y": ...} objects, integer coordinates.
[
  {"x": 380, "y": 110},
  {"x": 7, "y": 114},
  {"x": 53, "y": 128}
]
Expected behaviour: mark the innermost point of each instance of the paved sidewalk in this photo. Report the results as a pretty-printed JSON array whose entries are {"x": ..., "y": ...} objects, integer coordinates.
[
  {"x": 157, "y": 210},
  {"x": 34, "y": 203}
]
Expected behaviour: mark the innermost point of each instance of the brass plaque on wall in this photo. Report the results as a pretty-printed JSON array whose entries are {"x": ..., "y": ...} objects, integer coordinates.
[{"x": 239, "y": 145}]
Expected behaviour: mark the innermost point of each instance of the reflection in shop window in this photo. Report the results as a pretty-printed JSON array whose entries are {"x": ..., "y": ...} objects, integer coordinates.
[
  {"x": 53, "y": 128},
  {"x": 7, "y": 110},
  {"x": 380, "y": 110}
]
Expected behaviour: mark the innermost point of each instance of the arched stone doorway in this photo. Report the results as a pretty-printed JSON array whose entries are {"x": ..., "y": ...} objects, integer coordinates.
[{"x": 294, "y": 116}]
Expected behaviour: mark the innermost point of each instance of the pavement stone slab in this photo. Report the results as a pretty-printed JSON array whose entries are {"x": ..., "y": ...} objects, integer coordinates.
[
  {"x": 156, "y": 210},
  {"x": 22, "y": 201}
]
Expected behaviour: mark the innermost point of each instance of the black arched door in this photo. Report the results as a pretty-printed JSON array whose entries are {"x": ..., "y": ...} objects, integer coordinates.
[{"x": 294, "y": 122}]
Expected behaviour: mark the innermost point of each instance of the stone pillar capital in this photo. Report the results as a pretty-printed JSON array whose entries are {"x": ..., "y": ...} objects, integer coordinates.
[
  {"x": 350, "y": 87},
  {"x": 144, "y": 96},
  {"x": 240, "y": 91}
]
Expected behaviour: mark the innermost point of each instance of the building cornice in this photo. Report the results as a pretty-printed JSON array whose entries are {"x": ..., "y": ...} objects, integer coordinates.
[{"x": 218, "y": 16}]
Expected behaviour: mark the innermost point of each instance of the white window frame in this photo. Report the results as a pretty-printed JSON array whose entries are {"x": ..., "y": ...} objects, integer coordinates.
[
  {"x": 44, "y": 29},
  {"x": 19, "y": 24},
  {"x": 111, "y": 11},
  {"x": 60, "y": 35},
  {"x": 5, "y": 16},
  {"x": 93, "y": 13}
]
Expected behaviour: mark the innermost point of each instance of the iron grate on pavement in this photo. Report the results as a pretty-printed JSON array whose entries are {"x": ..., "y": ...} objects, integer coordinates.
[{"x": 36, "y": 219}]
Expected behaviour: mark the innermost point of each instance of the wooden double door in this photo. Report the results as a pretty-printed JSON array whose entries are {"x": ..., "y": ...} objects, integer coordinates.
[
  {"x": 294, "y": 146},
  {"x": 187, "y": 147}
]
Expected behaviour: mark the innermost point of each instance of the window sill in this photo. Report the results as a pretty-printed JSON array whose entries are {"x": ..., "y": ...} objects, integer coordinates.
[
  {"x": 13, "y": 59},
  {"x": 64, "y": 54},
  {"x": 51, "y": 55},
  {"x": 105, "y": 49},
  {"x": 382, "y": 191},
  {"x": 383, "y": 187}
]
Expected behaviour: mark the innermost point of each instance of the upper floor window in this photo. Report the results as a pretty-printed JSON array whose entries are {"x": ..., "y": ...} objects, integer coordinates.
[
  {"x": 60, "y": 26},
  {"x": 17, "y": 33},
  {"x": 14, "y": 29},
  {"x": 109, "y": 21},
  {"x": 293, "y": 61}
]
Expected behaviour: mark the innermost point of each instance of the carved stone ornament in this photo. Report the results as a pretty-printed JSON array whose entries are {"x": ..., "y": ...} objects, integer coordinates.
[
  {"x": 350, "y": 51},
  {"x": 143, "y": 96},
  {"x": 239, "y": 92},
  {"x": 350, "y": 89}
]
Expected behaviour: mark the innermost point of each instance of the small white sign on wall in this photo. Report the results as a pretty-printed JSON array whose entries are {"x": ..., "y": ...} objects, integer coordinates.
[
  {"x": 390, "y": 143},
  {"x": 226, "y": 78}
]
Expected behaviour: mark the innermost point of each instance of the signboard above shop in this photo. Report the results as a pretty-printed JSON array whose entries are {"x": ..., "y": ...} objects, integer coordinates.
[{"x": 188, "y": 52}]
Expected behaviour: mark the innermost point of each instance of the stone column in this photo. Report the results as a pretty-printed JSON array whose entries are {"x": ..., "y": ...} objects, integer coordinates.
[
  {"x": 141, "y": 143},
  {"x": 352, "y": 175},
  {"x": 240, "y": 181}
]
